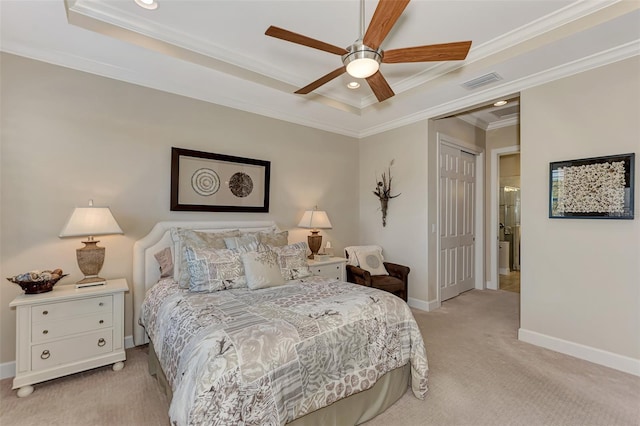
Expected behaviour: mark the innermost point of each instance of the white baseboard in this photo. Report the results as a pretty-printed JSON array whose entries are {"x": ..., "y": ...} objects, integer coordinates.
[
  {"x": 504, "y": 271},
  {"x": 588, "y": 353},
  {"x": 429, "y": 306},
  {"x": 8, "y": 369},
  {"x": 128, "y": 342}
]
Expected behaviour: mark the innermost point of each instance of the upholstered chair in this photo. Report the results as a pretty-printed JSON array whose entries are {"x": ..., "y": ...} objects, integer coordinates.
[{"x": 385, "y": 276}]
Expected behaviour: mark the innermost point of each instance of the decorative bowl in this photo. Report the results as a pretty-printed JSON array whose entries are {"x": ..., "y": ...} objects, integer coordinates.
[{"x": 35, "y": 287}]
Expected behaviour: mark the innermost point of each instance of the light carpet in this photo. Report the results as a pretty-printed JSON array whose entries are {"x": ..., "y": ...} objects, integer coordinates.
[{"x": 480, "y": 374}]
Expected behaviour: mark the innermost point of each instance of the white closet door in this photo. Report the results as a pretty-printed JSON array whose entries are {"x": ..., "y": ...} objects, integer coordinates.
[{"x": 457, "y": 224}]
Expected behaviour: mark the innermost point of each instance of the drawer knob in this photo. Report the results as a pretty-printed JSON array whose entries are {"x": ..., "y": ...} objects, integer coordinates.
[
  {"x": 100, "y": 304},
  {"x": 45, "y": 312},
  {"x": 101, "y": 322},
  {"x": 45, "y": 331},
  {"x": 45, "y": 354},
  {"x": 102, "y": 342}
]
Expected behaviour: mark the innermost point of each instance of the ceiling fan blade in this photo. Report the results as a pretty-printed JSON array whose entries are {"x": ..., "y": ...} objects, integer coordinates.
[
  {"x": 304, "y": 40},
  {"x": 386, "y": 14},
  {"x": 435, "y": 52},
  {"x": 322, "y": 80},
  {"x": 380, "y": 87}
]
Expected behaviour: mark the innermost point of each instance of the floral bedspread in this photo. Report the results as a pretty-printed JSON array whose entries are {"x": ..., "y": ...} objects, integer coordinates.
[{"x": 267, "y": 357}]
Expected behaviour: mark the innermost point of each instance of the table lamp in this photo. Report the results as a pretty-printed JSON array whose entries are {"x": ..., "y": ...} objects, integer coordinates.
[
  {"x": 89, "y": 222},
  {"x": 314, "y": 220}
]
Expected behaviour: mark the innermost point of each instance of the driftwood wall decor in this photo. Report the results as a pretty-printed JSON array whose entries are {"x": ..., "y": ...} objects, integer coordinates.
[{"x": 383, "y": 192}]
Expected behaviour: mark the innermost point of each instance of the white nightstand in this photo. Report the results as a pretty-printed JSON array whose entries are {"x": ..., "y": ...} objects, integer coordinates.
[
  {"x": 68, "y": 330},
  {"x": 334, "y": 267}
]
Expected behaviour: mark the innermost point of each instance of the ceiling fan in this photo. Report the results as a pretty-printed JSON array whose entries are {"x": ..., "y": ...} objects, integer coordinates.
[{"x": 362, "y": 59}]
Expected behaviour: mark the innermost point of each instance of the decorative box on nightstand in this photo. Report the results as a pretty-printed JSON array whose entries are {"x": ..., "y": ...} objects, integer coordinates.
[
  {"x": 334, "y": 267},
  {"x": 68, "y": 330}
]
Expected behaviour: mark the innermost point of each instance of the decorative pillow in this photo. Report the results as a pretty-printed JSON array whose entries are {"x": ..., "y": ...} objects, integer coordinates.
[
  {"x": 243, "y": 240},
  {"x": 183, "y": 237},
  {"x": 165, "y": 260},
  {"x": 293, "y": 261},
  {"x": 371, "y": 261},
  {"x": 352, "y": 253},
  {"x": 214, "y": 269},
  {"x": 274, "y": 239},
  {"x": 262, "y": 270}
]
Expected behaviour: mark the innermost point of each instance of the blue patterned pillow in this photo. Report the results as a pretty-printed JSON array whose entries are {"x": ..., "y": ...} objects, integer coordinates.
[{"x": 214, "y": 269}]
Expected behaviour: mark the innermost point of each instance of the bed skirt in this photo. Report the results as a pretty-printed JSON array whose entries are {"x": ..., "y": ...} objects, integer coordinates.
[{"x": 353, "y": 410}]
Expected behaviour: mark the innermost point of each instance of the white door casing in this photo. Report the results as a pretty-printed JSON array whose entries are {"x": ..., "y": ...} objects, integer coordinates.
[{"x": 457, "y": 214}]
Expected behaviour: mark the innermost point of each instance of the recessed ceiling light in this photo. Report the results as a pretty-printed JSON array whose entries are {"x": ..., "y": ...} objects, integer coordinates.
[
  {"x": 353, "y": 85},
  {"x": 500, "y": 103},
  {"x": 147, "y": 4}
]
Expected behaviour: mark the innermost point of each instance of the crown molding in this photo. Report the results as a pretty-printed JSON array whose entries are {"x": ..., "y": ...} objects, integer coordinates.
[
  {"x": 513, "y": 121},
  {"x": 609, "y": 56},
  {"x": 128, "y": 76},
  {"x": 107, "y": 14}
]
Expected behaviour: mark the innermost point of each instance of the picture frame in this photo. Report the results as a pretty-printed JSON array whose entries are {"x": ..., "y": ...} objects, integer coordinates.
[
  {"x": 592, "y": 188},
  {"x": 204, "y": 181}
]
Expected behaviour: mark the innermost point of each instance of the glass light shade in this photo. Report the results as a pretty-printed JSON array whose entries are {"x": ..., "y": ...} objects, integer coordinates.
[
  {"x": 91, "y": 221},
  {"x": 315, "y": 219},
  {"x": 363, "y": 67}
]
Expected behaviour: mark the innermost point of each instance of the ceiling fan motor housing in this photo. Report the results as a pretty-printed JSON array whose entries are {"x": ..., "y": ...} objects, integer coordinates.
[{"x": 361, "y": 60}]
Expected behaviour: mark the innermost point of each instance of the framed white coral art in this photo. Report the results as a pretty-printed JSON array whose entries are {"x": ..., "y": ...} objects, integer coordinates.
[{"x": 592, "y": 188}]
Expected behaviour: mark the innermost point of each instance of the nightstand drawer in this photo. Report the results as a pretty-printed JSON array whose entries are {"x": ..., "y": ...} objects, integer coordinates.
[
  {"x": 47, "y": 355},
  {"x": 329, "y": 271},
  {"x": 43, "y": 331},
  {"x": 51, "y": 311}
]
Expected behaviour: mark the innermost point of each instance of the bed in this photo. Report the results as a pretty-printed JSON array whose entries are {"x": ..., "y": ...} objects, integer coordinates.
[{"x": 313, "y": 351}]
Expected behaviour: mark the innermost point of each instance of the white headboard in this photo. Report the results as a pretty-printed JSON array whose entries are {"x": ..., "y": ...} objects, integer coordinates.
[{"x": 146, "y": 270}]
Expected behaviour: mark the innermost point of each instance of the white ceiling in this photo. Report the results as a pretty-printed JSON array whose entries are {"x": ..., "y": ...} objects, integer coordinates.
[{"x": 216, "y": 51}]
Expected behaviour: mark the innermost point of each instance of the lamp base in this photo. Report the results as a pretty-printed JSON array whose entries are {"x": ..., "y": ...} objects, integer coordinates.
[
  {"x": 315, "y": 242},
  {"x": 90, "y": 260}
]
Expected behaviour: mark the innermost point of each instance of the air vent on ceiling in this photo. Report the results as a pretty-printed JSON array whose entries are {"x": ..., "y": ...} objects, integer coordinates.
[{"x": 481, "y": 81}]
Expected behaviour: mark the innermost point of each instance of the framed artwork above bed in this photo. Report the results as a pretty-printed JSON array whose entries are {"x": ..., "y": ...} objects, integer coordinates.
[{"x": 204, "y": 181}]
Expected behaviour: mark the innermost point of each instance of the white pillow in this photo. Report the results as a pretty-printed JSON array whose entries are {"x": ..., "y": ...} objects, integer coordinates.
[
  {"x": 352, "y": 252},
  {"x": 371, "y": 261},
  {"x": 262, "y": 269}
]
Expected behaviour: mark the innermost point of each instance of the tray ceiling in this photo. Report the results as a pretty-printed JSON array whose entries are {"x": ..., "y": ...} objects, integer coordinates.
[{"x": 216, "y": 51}]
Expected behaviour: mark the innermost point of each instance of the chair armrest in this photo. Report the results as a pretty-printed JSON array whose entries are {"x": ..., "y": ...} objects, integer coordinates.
[
  {"x": 358, "y": 276},
  {"x": 398, "y": 271}
]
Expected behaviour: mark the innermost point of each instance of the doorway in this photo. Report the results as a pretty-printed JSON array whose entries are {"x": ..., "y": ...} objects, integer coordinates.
[{"x": 509, "y": 229}]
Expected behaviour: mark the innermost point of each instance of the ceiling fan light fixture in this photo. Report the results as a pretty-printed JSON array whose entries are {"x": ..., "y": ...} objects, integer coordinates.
[
  {"x": 147, "y": 4},
  {"x": 361, "y": 61}
]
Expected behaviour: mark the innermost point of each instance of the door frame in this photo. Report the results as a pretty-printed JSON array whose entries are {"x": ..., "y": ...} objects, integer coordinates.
[
  {"x": 479, "y": 261},
  {"x": 494, "y": 282}
]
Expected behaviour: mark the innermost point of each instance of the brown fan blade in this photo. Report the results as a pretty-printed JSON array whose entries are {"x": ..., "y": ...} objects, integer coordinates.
[
  {"x": 322, "y": 80},
  {"x": 304, "y": 40},
  {"x": 386, "y": 14},
  {"x": 380, "y": 87},
  {"x": 435, "y": 52}
]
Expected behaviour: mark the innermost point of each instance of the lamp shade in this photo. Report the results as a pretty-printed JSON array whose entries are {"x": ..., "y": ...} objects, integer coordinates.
[
  {"x": 315, "y": 219},
  {"x": 90, "y": 221}
]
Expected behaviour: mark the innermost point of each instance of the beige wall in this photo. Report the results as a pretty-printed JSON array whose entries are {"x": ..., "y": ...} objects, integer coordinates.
[
  {"x": 404, "y": 238},
  {"x": 510, "y": 165},
  {"x": 68, "y": 136},
  {"x": 580, "y": 277}
]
